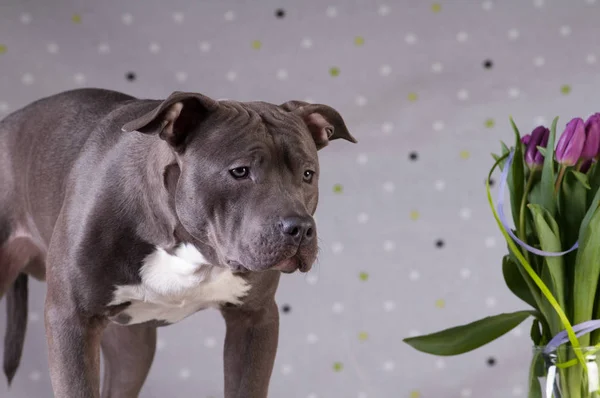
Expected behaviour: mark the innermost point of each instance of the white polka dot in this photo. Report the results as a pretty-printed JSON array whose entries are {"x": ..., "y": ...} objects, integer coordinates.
[
  {"x": 362, "y": 395},
  {"x": 389, "y": 246},
  {"x": 465, "y": 213},
  {"x": 414, "y": 333},
  {"x": 462, "y": 37},
  {"x": 362, "y": 218},
  {"x": 490, "y": 302},
  {"x": 52, "y": 48},
  {"x": 389, "y": 366},
  {"x": 513, "y": 34},
  {"x": 231, "y": 76},
  {"x": 439, "y": 185},
  {"x": 286, "y": 369},
  {"x": 160, "y": 344},
  {"x": 337, "y": 308},
  {"x": 184, "y": 374},
  {"x": 34, "y": 317},
  {"x": 517, "y": 332},
  {"x": 414, "y": 275},
  {"x": 517, "y": 391},
  {"x": 35, "y": 376},
  {"x": 103, "y": 48},
  {"x": 539, "y": 120},
  {"x": 383, "y": 10},
  {"x": 438, "y": 125},
  {"x": 127, "y": 18},
  {"x": 487, "y": 5},
  {"x": 514, "y": 92},
  {"x": 440, "y": 363},
  {"x": 389, "y": 306},
  {"x": 360, "y": 100},
  {"x": 282, "y": 74},
  {"x": 331, "y": 12},
  {"x": 309, "y": 100},
  {"x": 27, "y": 79},
  {"x": 466, "y": 393},
  {"x": 387, "y": 127},
  {"x": 538, "y": 3},
  {"x": 79, "y": 78},
  {"x": 362, "y": 158},
  {"x": 181, "y": 76},
  {"x": 389, "y": 187},
  {"x": 539, "y": 61},
  {"x": 312, "y": 279},
  {"x": 3, "y": 107},
  {"x": 311, "y": 338},
  {"x": 204, "y": 46},
  {"x": 462, "y": 95},
  {"x": 178, "y": 17},
  {"x": 25, "y": 18},
  {"x": 306, "y": 43},
  {"x": 437, "y": 67},
  {"x": 490, "y": 242},
  {"x": 312, "y": 395},
  {"x": 590, "y": 1},
  {"x": 229, "y": 16},
  {"x": 565, "y": 30},
  {"x": 154, "y": 47},
  {"x": 385, "y": 70},
  {"x": 465, "y": 273},
  {"x": 410, "y": 38},
  {"x": 337, "y": 247},
  {"x": 210, "y": 342},
  {"x": 591, "y": 58}
]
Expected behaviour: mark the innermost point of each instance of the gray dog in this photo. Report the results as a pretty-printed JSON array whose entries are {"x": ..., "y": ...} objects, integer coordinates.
[{"x": 139, "y": 213}]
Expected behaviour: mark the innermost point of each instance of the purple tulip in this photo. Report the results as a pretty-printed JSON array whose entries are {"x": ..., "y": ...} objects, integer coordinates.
[
  {"x": 591, "y": 148},
  {"x": 570, "y": 144},
  {"x": 539, "y": 137},
  {"x": 585, "y": 166}
]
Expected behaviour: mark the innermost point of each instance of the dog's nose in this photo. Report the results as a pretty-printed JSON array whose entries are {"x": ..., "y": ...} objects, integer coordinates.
[{"x": 298, "y": 229}]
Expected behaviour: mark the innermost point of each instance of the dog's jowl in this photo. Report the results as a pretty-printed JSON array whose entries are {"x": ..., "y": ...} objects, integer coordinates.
[{"x": 139, "y": 213}]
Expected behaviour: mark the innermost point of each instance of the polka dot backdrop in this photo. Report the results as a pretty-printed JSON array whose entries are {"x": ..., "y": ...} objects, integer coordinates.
[{"x": 408, "y": 243}]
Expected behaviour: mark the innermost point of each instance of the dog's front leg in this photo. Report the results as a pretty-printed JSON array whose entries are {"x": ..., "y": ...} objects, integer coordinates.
[
  {"x": 73, "y": 348},
  {"x": 250, "y": 348}
]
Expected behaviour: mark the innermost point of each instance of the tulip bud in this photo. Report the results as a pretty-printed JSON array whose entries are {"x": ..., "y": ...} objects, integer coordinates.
[
  {"x": 539, "y": 137},
  {"x": 570, "y": 144},
  {"x": 592, "y": 137}
]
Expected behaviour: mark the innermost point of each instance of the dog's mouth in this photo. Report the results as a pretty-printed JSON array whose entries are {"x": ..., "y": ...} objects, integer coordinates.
[{"x": 287, "y": 266}]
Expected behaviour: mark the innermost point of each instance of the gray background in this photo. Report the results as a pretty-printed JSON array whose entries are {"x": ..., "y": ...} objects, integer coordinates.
[{"x": 416, "y": 82}]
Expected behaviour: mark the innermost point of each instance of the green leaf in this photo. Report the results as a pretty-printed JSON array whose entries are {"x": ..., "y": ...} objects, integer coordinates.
[
  {"x": 583, "y": 178},
  {"x": 537, "y": 369},
  {"x": 536, "y": 333},
  {"x": 496, "y": 157},
  {"x": 515, "y": 280},
  {"x": 541, "y": 150},
  {"x": 594, "y": 181},
  {"x": 516, "y": 177},
  {"x": 553, "y": 271},
  {"x": 548, "y": 201},
  {"x": 465, "y": 338},
  {"x": 587, "y": 271}
]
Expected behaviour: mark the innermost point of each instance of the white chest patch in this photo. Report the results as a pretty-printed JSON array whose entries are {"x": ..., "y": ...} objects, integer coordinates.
[{"x": 175, "y": 286}]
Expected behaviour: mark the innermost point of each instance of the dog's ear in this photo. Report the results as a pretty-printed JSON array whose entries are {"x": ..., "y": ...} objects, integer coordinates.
[
  {"x": 324, "y": 122},
  {"x": 174, "y": 118}
]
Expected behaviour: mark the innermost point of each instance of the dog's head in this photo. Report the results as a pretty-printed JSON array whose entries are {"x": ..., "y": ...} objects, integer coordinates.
[{"x": 247, "y": 175}]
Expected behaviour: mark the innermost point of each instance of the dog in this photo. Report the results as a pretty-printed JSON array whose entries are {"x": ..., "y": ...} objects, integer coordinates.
[{"x": 138, "y": 213}]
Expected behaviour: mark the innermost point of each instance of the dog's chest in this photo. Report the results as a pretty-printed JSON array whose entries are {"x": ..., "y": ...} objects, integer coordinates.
[{"x": 175, "y": 286}]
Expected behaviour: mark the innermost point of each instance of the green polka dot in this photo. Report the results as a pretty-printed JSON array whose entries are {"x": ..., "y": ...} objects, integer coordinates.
[
  {"x": 338, "y": 188},
  {"x": 440, "y": 303},
  {"x": 334, "y": 71},
  {"x": 414, "y": 215},
  {"x": 359, "y": 41},
  {"x": 489, "y": 123},
  {"x": 256, "y": 44},
  {"x": 465, "y": 155},
  {"x": 76, "y": 18},
  {"x": 565, "y": 89},
  {"x": 363, "y": 336},
  {"x": 436, "y": 7},
  {"x": 2, "y": 49},
  {"x": 364, "y": 276},
  {"x": 412, "y": 97},
  {"x": 338, "y": 366}
]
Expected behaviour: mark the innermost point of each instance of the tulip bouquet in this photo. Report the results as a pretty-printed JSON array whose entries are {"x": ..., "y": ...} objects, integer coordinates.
[{"x": 553, "y": 259}]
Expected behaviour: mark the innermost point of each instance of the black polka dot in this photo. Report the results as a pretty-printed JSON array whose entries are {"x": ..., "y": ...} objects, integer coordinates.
[
  {"x": 130, "y": 76},
  {"x": 488, "y": 64},
  {"x": 439, "y": 243},
  {"x": 286, "y": 308},
  {"x": 491, "y": 361},
  {"x": 492, "y": 182},
  {"x": 413, "y": 156},
  {"x": 280, "y": 13}
]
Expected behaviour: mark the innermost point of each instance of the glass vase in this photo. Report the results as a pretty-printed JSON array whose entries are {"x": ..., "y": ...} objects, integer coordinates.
[{"x": 561, "y": 375}]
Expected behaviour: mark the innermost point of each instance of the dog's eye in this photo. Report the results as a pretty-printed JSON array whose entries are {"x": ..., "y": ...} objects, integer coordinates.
[
  {"x": 240, "y": 172},
  {"x": 308, "y": 175}
]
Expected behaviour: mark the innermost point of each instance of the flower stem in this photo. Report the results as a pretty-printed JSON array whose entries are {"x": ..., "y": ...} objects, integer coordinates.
[
  {"x": 522, "y": 232},
  {"x": 561, "y": 174}
]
